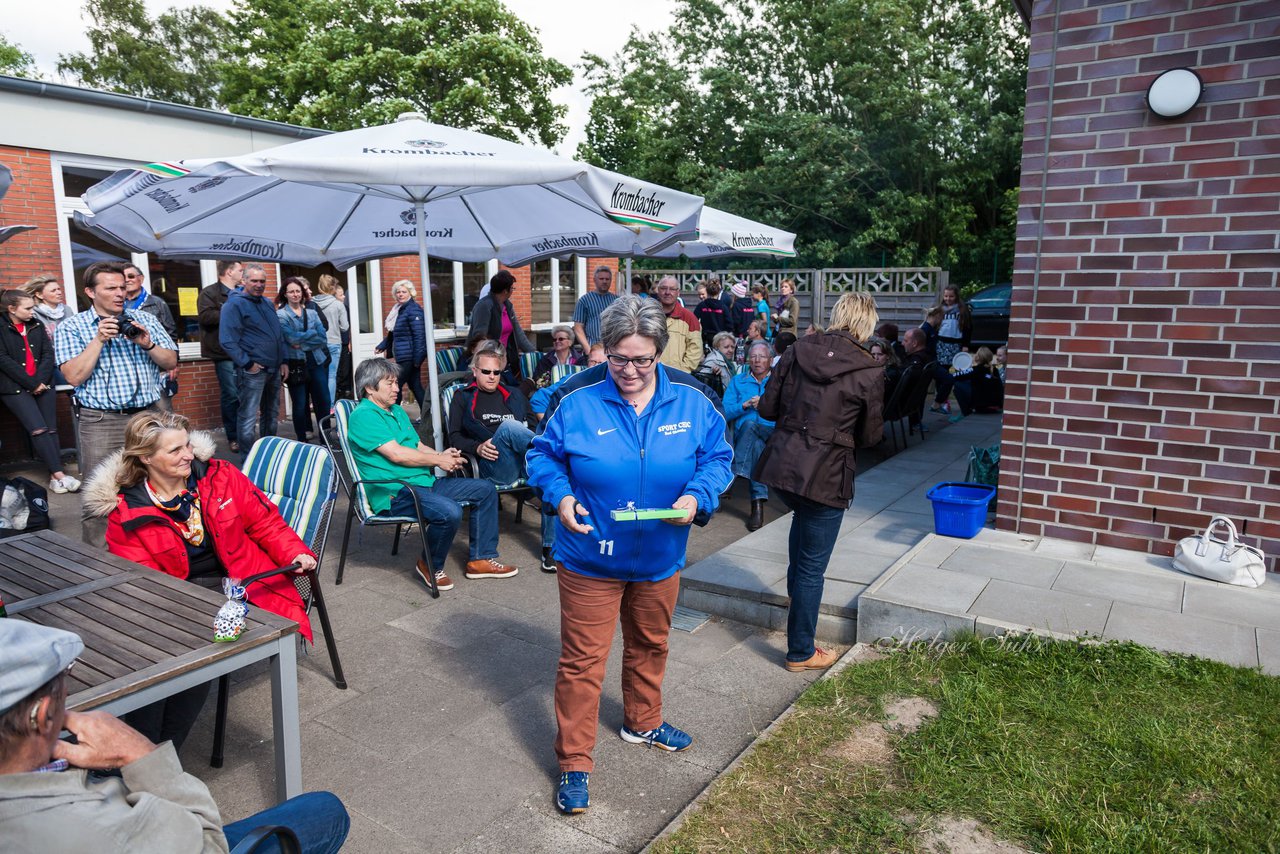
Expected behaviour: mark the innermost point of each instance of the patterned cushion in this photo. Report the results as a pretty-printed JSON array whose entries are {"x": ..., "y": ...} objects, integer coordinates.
[
  {"x": 559, "y": 372},
  {"x": 528, "y": 362},
  {"x": 447, "y": 359}
]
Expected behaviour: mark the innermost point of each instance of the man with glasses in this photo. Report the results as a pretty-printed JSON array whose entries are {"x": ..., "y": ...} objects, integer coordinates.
[
  {"x": 209, "y": 305},
  {"x": 136, "y": 298},
  {"x": 250, "y": 334},
  {"x": 586, "y": 314},
  {"x": 490, "y": 421},
  {"x": 116, "y": 367},
  {"x": 684, "y": 347}
]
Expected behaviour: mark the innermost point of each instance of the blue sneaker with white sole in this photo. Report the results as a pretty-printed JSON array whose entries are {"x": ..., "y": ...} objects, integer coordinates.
[
  {"x": 572, "y": 796},
  {"x": 666, "y": 737}
]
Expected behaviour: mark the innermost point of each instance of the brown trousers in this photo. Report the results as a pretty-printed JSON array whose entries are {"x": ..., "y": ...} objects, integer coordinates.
[{"x": 589, "y": 611}]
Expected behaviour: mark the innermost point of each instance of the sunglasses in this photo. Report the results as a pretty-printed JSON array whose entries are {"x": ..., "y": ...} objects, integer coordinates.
[
  {"x": 489, "y": 373},
  {"x": 561, "y": 338}
]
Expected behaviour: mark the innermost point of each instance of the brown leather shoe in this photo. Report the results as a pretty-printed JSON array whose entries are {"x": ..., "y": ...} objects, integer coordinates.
[
  {"x": 820, "y": 660},
  {"x": 443, "y": 582},
  {"x": 490, "y": 568}
]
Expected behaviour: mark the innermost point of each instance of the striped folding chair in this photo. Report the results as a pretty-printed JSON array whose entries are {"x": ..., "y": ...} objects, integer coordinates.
[
  {"x": 358, "y": 506},
  {"x": 529, "y": 363},
  {"x": 302, "y": 481},
  {"x": 447, "y": 359},
  {"x": 559, "y": 372}
]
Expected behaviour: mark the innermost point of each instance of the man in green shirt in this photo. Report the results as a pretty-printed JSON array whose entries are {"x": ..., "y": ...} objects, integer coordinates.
[{"x": 385, "y": 446}]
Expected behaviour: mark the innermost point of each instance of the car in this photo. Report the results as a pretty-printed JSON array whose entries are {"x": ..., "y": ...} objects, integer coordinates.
[{"x": 989, "y": 313}]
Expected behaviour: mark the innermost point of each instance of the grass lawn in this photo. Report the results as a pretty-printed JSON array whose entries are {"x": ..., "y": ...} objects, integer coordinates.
[{"x": 1054, "y": 746}]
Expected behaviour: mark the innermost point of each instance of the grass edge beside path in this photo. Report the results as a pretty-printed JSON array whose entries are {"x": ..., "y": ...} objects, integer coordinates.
[{"x": 1052, "y": 745}]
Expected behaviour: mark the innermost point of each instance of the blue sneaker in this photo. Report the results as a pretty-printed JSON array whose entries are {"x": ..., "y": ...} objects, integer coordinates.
[
  {"x": 666, "y": 736},
  {"x": 572, "y": 795}
]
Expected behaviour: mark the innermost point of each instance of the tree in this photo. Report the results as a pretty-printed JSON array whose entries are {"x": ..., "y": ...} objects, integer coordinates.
[
  {"x": 175, "y": 57},
  {"x": 16, "y": 61},
  {"x": 340, "y": 65},
  {"x": 874, "y": 129}
]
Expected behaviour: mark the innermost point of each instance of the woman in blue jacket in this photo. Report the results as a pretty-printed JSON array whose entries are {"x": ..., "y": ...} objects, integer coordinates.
[
  {"x": 629, "y": 434},
  {"x": 407, "y": 341},
  {"x": 750, "y": 429},
  {"x": 308, "y": 355}
]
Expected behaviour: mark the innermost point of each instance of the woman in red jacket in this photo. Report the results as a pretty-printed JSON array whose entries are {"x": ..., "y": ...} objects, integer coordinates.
[{"x": 171, "y": 507}]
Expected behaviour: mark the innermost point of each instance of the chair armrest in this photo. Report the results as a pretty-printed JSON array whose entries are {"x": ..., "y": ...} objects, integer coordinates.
[
  {"x": 284, "y": 836},
  {"x": 271, "y": 572}
]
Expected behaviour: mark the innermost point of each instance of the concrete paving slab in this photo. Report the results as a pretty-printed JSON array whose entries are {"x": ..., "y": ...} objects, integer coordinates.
[
  {"x": 1149, "y": 589},
  {"x": 368, "y": 837},
  {"x": 1269, "y": 651},
  {"x": 929, "y": 587},
  {"x": 721, "y": 729},
  {"x": 936, "y": 550},
  {"x": 1005, "y": 539},
  {"x": 523, "y": 828},
  {"x": 1185, "y": 633},
  {"x": 862, "y": 560},
  {"x": 1111, "y": 556},
  {"x": 751, "y": 611},
  {"x": 363, "y": 610},
  {"x": 726, "y": 572},
  {"x": 522, "y": 729},
  {"x": 881, "y": 618},
  {"x": 1016, "y": 566},
  {"x": 1255, "y": 606},
  {"x": 1053, "y": 610},
  {"x": 708, "y": 644},
  {"x": 1065, "y": 549},
  {"x": 839, "y": 598}
]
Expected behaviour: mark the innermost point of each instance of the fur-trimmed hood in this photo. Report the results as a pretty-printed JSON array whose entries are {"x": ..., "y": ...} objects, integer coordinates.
[{"x": 102, "y": 490}]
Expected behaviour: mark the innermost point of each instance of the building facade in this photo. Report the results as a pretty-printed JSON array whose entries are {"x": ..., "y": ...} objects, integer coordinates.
[{"x": 1144, "y": 387}]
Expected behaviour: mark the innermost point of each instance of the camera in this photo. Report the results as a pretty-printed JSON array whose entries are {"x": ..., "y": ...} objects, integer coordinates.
[{"x": 129, "y": 329}]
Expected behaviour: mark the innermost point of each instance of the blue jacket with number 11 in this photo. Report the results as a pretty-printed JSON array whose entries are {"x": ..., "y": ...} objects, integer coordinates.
[{"x": 594, "y": 447}]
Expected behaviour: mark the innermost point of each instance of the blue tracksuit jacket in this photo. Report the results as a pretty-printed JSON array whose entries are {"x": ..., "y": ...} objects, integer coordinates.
[{"x": 593, "y": 447}]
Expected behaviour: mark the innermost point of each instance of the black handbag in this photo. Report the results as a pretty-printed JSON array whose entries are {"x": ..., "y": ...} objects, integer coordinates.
[{"x": 297, "y": 373}]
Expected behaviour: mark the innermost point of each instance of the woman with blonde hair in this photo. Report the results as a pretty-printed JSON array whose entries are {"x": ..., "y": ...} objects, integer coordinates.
[
  {"x": 51, "y": 302},
  {"x": 170, "y": 506},
  {"x": 826, "y": 398},
  {"x": 406, "y": 341}
]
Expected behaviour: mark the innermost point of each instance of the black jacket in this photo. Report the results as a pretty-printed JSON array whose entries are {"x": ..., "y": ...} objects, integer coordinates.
[
  {"x": 487, "y": 316},
  {"x": 466, "y": 431},
  {"x": 13, "y": 357}
]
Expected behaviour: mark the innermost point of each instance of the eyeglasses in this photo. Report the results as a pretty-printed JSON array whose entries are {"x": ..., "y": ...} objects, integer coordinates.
[
  {"x": 489, "y": 373},
  {"x": 622, "y": 361}
]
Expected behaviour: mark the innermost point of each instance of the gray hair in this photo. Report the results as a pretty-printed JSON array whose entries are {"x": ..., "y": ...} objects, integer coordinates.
[
  {"x": 632, "y": 315},
  {"x": 492, "y": 349},
  {"x": 722, "y": 336},
  {"x": 371, "y": 372},
  {"x": 758, "y": 345},
  {"x": 254, "y": 265},
  {"x": 567, "y": 330}
]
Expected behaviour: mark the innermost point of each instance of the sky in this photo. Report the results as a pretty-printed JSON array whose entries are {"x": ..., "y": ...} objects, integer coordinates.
[{"x": 568, "y": 28}]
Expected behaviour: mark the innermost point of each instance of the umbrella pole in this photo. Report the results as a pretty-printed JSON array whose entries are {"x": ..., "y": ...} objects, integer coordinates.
[
  {"x": 626, "y": 286},
  {"x": 433, "y": 381}
]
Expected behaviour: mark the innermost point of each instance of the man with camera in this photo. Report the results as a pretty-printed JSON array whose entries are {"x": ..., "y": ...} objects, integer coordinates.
[{"x": 116, "y": 361}]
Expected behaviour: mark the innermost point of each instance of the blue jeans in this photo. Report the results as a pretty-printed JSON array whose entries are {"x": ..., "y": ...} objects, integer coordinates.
[
  {"x": 814, "y": 528},
  {"x": 442, "y": 511},
  {"x": 228, "y": 398},
  {"x": 312, "y": 394},
  {"x": 512, "y": 440},
  {"x": 335, "y": 356},
  {"x": 259, "y": 403},
  {"x": 318, "y": 819},
  {"x": 749, "y": 439}
]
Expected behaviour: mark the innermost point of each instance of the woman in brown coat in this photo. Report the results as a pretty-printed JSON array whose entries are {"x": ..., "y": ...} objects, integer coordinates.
[{"x": 827, "y": 397}]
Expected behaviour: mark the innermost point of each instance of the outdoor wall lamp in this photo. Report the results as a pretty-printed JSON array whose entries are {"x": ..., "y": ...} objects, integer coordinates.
[{"x": 1174, "y": 93}]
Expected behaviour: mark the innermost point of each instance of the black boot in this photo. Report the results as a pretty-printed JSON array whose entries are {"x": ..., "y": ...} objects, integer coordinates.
[{"x": 756, "y": 521}]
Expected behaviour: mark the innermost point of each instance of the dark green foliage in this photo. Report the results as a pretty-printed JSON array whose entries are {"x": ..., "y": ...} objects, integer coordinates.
[{"x": 878, "y": 130}]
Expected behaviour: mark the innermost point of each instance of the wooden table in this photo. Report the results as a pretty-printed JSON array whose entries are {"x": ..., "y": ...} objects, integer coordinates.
[{"x": 146, "y": 635}]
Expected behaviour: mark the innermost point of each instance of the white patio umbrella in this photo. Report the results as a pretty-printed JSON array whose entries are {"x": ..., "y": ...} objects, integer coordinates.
[
  {"x": 6, "y": 180},
  {"x": 720, "y": 234},
  {"x": 398, "y": 189}
]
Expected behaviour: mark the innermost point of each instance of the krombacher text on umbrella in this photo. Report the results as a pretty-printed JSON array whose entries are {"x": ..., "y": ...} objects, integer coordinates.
[{"x": 636, "y": 202}]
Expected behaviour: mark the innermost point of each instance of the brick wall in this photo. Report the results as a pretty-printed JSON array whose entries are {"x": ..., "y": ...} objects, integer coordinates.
[{"x": 1145, "y": 341}]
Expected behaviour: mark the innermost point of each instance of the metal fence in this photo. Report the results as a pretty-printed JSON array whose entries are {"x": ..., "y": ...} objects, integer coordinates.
[{"x": 902, "y": 293}]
